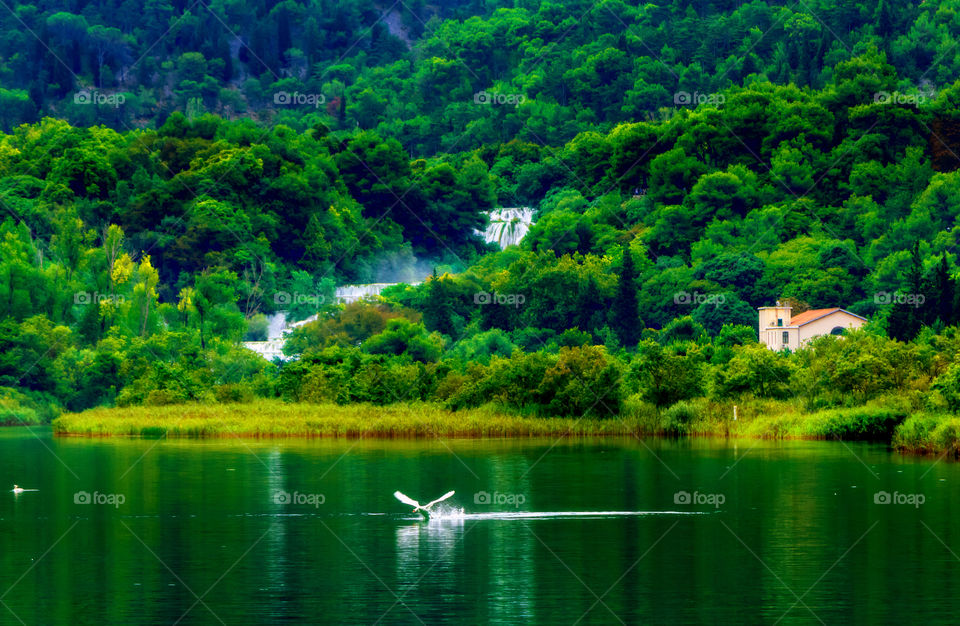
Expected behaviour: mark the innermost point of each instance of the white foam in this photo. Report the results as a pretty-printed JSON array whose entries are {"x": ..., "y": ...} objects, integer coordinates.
[
  {"x": 508, "y": 225},
  {"x": 459, "y": 514}
]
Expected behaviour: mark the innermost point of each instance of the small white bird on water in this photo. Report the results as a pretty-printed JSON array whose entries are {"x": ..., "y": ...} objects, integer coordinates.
[
  {"x": 423, "y": 509},
  {"x": 17, "y": 489}
]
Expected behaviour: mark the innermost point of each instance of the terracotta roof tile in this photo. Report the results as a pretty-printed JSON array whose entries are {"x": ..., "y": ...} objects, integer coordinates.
[{"x": 808, "y": 316}]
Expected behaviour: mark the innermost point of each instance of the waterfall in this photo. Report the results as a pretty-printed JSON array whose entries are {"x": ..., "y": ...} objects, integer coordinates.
[
  {"x": 508, "y": 225},
  {"x": 269, "y": 350},
  {"x": 277, "y": 331},
  {"x": 352, "y": 293}
]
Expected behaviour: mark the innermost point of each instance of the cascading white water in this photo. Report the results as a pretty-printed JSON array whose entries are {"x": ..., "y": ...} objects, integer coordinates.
[
  {"x": 508, "y": 225},
  {"x": 352, "y": 293},
  {"x": 277, "y": 329}
]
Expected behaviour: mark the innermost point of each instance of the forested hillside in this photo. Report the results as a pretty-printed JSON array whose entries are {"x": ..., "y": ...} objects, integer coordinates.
[
  {"x": 417, "y": 72},
  {"x": 676, "y": 189}
]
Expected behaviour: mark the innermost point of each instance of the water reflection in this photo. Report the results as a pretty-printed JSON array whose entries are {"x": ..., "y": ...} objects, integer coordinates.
[
  {"x": 427, "y": 546},
  {"x": 600, "y": 519}
]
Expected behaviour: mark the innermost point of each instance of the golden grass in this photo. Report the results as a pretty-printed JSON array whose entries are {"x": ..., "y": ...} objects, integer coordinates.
[{"x": 272, "y": 418}]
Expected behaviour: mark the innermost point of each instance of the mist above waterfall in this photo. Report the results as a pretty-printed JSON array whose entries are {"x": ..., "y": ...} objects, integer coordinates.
[
  {"x": 507, "y": 227},
  {"x": 276, "y": 322},
  {"x": 402, "y": 267},
  {"x": 388, "y": 270}
]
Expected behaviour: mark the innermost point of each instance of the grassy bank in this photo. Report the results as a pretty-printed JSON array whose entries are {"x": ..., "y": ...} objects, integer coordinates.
[
  {"x": 891, "y": 421},
  {"x": 277, "y": 419},
  {"x": 776, "y": 419},
  {"x": 929, "y": 433},
  {"x": 898, "y": 421}
]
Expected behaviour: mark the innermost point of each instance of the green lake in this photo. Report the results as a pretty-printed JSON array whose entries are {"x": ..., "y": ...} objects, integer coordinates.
[{"x": 232, "y": 531}]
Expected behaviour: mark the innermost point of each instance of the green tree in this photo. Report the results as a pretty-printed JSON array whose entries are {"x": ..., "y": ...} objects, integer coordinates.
[
  {"x": 625, "y": 311},
  {"x": 755, "y": 369},
  {"x": 663, "y": 378}
]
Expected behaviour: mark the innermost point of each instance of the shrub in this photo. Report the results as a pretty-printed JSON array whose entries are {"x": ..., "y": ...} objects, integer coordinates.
[
  {"x": 948, "y": 384},
  {"x": 864, "y": 423},
  {"x": 584, "y": 381},
  {"x": 233, "y": 393},
  {"x": 16, "y": 414},
  {"x": 257, "y": 328},
  {"x": 648, "y": 418},
  {"x": 676, "y": 420},
  {"x": 929, "y": 432}
]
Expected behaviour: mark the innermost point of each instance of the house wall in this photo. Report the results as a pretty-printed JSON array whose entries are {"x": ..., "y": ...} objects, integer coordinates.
[
  {"x": 773, "y": 337},
  {"x": 769, "y": 315},
  {"x": 824, "y": 325}
]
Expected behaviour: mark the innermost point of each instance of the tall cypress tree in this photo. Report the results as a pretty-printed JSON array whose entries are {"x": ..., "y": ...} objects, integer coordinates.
[
  {"x": 943, "y": 294},
  {"x": 438, "y": 308},
  {"x": 906, "y": 318},
  {"x": 625, "y": 312}
]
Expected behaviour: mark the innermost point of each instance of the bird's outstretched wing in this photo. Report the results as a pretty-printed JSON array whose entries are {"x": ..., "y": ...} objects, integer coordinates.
[
  {"x": 402, "y": 498},
  {"x": 440, "y": 499}
]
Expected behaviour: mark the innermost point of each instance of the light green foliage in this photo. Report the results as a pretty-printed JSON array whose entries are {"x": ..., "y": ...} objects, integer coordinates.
[
  {"x": 402, "y": 337},
  {"x": 756, "y": 370},
  {"x": 132, "y": 263}
]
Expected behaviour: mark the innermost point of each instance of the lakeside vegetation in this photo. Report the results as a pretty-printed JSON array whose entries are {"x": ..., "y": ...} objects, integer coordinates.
[
  {"x": 134, "y": 260},
  {"x": 764, "y": 420},
  {"x": 278, "y": 419}
]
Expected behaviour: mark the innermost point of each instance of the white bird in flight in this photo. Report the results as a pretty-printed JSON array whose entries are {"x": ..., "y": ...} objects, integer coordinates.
[{"x": 424, "y": 509}]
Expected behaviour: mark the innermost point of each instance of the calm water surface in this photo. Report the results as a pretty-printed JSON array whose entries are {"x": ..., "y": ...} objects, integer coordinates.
[{"x": 241, "y": 532}]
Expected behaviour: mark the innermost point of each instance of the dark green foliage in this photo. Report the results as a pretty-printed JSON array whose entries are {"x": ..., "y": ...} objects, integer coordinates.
[
  {"x": 132, "y": 263},
  {"x": 625, "y": 312}
]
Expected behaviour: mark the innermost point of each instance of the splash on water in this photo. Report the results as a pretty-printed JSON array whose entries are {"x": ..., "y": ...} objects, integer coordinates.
[{"x": 448, "y": 514}]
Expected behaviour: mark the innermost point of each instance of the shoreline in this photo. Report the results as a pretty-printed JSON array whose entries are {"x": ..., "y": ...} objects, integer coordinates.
[
  {"x": 915, "y": 434},
  {"x": 274, "y": 419}
]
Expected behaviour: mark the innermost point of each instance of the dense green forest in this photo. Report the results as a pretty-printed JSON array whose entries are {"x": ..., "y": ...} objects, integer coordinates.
[
  {"x": 412, "y": 71},
  {"x": 687, "y": 164}
]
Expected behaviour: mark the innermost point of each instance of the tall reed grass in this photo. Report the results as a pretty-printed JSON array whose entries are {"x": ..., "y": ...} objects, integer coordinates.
[
  {"x": 888, "y": 420},
  {"x": 277, "y": 419}
]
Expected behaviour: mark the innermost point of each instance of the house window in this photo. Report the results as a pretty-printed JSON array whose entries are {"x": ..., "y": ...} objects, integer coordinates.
[
  {"x": 779, "y": 321},
  {"x": 786, "y": 337},
  {"x": 837, "y": 330}
]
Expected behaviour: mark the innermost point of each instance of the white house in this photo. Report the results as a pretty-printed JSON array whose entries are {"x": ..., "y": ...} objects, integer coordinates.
[{"x": 779, "y": 329}]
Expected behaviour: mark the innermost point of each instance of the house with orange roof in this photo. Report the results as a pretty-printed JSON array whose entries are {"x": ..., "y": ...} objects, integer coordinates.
[{"x": 779, "y": 329}]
